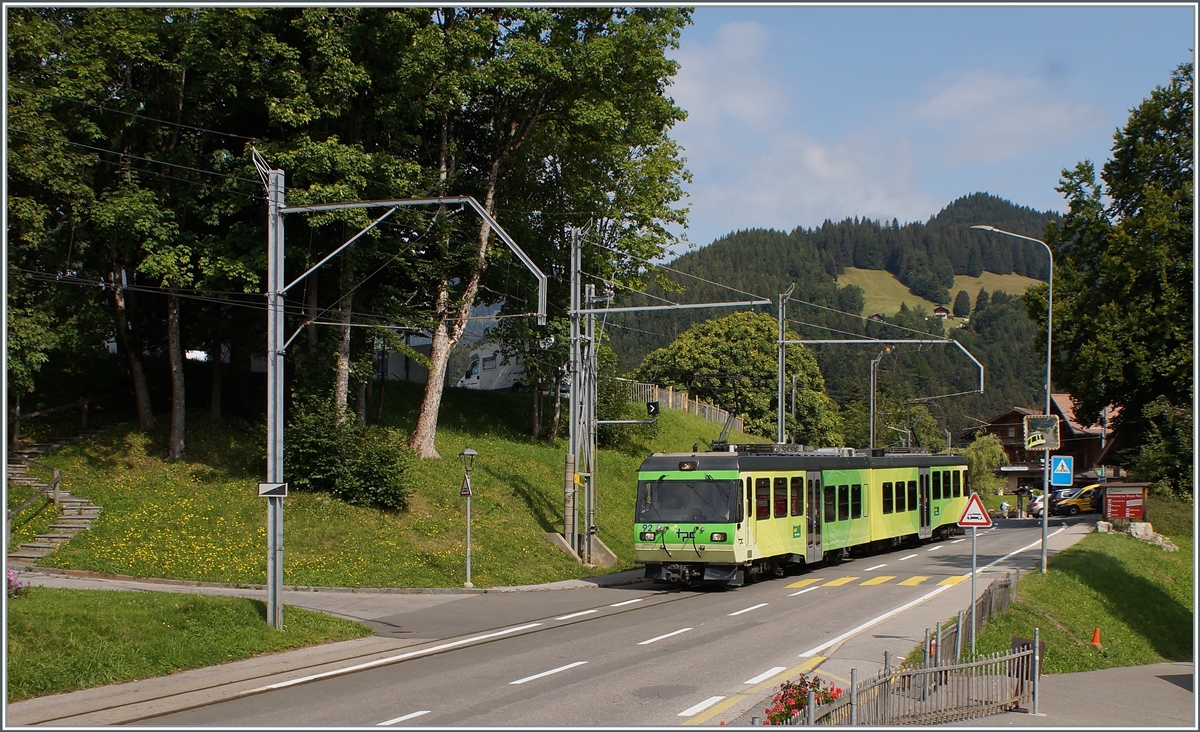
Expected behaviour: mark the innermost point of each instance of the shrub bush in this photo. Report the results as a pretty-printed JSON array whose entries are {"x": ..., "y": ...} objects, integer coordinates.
[{"x": 325, "y": 451}]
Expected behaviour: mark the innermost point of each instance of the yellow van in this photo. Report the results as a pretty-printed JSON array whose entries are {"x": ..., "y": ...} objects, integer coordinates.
[{"x": 1079, "y": 502}]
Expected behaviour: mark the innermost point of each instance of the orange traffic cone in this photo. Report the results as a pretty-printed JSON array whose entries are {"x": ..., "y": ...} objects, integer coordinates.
[{"x": 1096, "y": 638}]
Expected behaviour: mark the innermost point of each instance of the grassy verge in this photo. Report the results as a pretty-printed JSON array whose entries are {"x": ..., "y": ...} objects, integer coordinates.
[
  {"x": 1139, "y": 596},
  {"x": 201, "y": 518},
  {"x": 63, "y": 640}
]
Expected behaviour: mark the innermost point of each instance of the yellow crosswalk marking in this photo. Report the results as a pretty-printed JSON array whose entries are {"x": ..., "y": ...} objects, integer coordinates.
[
  {"x": 879, "y": 580},
  {"x": 953, "y": 580},
  {"x": 839, "y": 581},
  {"x": 805, "y": 582},
  {"x": 913, "y": 581}
]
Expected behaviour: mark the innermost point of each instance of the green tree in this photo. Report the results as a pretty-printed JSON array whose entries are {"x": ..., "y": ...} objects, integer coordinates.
[
  {"x": 962, "y": 304},
  {"x": 982, "y": 300},
  {"x": 1123, "y": 322},
  {"x": 983, "y": 456},
  {"x": 744, "y": 344}
]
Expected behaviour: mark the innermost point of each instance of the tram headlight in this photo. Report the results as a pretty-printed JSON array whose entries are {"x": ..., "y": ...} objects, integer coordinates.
[
  {"x": 718, "y": 536},
  {"x": 647, "y": 536}
]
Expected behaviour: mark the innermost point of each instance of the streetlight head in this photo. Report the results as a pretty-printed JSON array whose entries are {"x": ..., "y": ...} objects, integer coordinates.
[
  {"x": 984, "y": 228},
  {"x": 467, "y": 458}
]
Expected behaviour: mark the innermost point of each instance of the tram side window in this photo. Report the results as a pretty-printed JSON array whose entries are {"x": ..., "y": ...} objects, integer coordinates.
[
  {"x": 797, "y": 496},
  {"x": 762, "y": 498},
  {"x": 856, "y": 507},
  {"x": 937, "y": 486},
  {"x": 912, "y": 495},
  {"x": 843, "y": 502},
  {"x": 957, "y": 484},
  {"x": 830, "y": 504},
  {"x": 887, "y": 497},
  {"x": 900, "y": 496},
  {"x": 781, "y": 498},
  {"x": 966, "y": 484}
]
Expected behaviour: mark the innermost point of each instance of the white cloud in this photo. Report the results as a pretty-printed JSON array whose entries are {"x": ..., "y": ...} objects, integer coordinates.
[
  {"x": 730, "y": 81},
  {"x": 981, "y": 116}
]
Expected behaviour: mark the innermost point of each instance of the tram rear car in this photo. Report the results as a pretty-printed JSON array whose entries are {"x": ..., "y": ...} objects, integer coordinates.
[{"x": 754, "y": 511}]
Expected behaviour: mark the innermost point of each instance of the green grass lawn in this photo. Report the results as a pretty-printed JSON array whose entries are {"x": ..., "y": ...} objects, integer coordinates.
[
  {"x": 201, "y": 518},
  {"x": 64, "y": 640},
  {"x": 1139, "y": 596},
  {"x": 883, "y": 293}
]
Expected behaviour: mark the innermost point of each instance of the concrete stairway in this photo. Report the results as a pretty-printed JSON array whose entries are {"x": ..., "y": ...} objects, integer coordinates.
[{"x": 77, "y": 514}]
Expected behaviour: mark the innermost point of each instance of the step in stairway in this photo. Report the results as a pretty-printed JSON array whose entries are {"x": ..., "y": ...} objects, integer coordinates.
[{"x": 77, "y": 514}]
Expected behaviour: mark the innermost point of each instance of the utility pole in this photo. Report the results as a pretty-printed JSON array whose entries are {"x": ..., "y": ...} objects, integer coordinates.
[
  {"x": 275, "y": 489},
  {"x": 275, "y": 287},
  {"x": 570, "y": 493},
  {"x": 783, "y": 298}
]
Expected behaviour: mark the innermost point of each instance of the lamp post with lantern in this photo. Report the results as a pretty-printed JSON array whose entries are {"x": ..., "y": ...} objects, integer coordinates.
[{"x": 467, "y": 458}]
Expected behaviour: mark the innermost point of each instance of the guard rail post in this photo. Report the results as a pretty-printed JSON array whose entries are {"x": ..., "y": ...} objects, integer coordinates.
[
  {"x": 810, "y": 710},
  {"x": 853, "y": 696},
  {"x": 1037, "y": 668}
]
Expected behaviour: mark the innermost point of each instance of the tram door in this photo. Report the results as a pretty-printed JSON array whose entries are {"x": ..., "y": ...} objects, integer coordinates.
[
  {"x": 812, "y": 510},
  {"x": 923, "y": 507}
]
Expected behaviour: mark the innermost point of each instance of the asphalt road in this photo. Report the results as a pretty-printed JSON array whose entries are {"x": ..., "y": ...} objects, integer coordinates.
[{"x": 638, "y": 654}]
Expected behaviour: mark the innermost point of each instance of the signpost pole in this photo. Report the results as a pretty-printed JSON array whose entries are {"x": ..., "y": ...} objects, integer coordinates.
[{"x": 974, "y": 536}]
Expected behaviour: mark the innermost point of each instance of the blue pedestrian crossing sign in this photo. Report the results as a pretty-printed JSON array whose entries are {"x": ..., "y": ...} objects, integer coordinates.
[{"x": 1061, "y": 470}]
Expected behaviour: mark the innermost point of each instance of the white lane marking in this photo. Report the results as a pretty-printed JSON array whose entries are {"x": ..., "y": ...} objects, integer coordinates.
[
  {"x": 389, "y": 659},
  {"x": 918, "y": 601},
  {"x": 668, "y": 635},
  {"x": 957, "y": 540},
  {"x": 627, "y": 602},
  {"x": 766, "y": 675},
  {"x": 877, "y": 566},
  {"x": 575, "y": 615},
  {"x": 934, "y": 548},
  {"x": 801, "y": 592},
  {"x": 402, "y": 719},
  {"x": 547, "y": 673},
  {"x": 701, "y": 706},
  {"x": 752, "y": 607},
  {"x": 910, "y": 556}
]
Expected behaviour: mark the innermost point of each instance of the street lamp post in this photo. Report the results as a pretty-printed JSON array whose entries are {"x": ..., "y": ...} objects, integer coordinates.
[
  {"x": 467, "y": 458},
  {"x": 1049, "y": 352}
]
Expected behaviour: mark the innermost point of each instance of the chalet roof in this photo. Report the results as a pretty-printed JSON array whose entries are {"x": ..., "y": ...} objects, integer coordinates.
[{"x": 1063, "y": 405}]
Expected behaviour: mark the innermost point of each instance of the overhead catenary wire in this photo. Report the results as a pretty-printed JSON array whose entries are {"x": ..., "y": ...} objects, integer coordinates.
[{"x": 134, "y": 157}]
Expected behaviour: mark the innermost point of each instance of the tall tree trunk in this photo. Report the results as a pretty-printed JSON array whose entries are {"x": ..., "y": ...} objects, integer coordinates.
[
  {"x": 214, "y": 393},
  {"x": 310, "y": 312},
  {"x": 175, "y": 355},
  {"x": 360, "y": 406},
  {"x": 382, "y": 382},
  {"x": 132, "y": 345},
  {"x": 341, "y": 382},
  {"x": 536, "y": 428}
]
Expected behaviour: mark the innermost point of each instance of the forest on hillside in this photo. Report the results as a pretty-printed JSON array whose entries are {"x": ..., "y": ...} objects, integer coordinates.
[{"x": 761, "y": 263}]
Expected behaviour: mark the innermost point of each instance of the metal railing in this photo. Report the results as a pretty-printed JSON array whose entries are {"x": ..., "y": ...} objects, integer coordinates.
[
  {"x": 934, "y": 694},
  {"x": 50, "y": 489},
  {"x": 678, "y": 400}
]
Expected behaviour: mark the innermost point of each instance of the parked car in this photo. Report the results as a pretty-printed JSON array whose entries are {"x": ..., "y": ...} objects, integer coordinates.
[
  {"x": 1078, "y": 502},
  {"x": 1056, "y": 497}
]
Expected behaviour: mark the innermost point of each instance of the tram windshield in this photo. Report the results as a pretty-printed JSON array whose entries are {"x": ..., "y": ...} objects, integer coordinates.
[{"x": 698, "y": 500}]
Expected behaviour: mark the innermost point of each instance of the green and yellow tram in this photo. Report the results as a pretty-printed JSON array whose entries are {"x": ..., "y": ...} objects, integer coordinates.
[{"x": 753, "y": 511}]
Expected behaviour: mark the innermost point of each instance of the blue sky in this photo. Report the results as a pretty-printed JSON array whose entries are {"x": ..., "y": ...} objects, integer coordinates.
[{"x": 798, "y": 114}]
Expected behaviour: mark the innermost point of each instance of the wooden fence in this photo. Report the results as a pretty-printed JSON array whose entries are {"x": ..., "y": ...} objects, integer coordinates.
[{"x": 680, "y": 401}]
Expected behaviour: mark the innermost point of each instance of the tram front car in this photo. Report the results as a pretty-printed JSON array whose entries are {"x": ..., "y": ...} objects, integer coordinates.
[{"x": 687, "y": 518}]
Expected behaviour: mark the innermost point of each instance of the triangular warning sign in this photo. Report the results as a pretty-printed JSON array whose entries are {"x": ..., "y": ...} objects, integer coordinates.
[
  {"x": 974, "y": 514},
  {"x": 465, "y": 490}
]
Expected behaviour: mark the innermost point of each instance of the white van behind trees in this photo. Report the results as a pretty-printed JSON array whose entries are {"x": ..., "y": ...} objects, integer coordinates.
[{"x": 488, "y": 371}]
